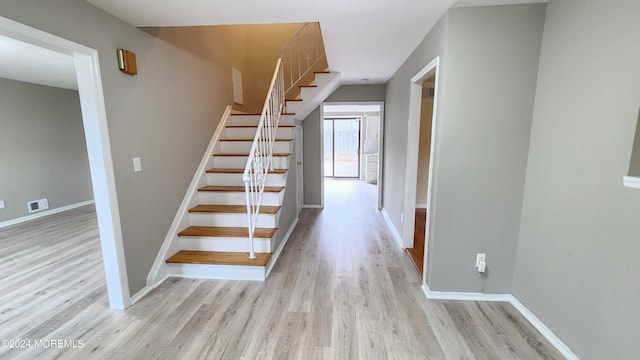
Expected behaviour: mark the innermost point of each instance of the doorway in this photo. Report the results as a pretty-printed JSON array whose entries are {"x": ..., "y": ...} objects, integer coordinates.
[
  {"x": 94, "y": 118},
  {"x": 416, "y": 253},
  {"x": 342, "y": 147},
  {"x": 363, "y": 121},
  {"x": 421, "y": 168}
]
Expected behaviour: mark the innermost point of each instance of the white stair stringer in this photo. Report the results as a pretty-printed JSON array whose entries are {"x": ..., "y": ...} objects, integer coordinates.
[{"x": 312, "y": 97}]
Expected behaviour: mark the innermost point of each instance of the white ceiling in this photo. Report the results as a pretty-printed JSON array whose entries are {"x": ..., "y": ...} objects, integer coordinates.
[
  {"x": 363, "y": 38},
  {"x": 29, "y": 63}
]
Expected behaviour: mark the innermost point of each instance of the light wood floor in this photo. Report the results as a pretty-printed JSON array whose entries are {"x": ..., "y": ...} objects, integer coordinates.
[{"x": 341, "y": 290}]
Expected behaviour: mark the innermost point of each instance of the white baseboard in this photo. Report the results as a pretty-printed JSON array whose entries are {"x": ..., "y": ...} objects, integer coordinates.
[
  {"x": 421, "y": 206},
  {"x": 312, "y": 206},
  {"x": 144, "y": 291},
  {"x": 544, "y": 330},
  {"x": 45, "y": 213},
  {"x": 468, "y": 296},
  {"x": 632, "y": 182},
  {"x": 392, "y": 229},
  {"x": 537, "y": 323},
  {"x": 276, "y": 254}
]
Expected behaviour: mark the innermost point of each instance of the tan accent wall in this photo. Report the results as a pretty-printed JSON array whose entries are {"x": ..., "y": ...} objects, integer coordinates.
[
  {"x": 252, "y": 49},
  {"x": 424, "y": 152}
]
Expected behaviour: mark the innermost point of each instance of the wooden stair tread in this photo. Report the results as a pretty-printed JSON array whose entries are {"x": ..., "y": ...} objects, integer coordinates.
[
  {"x": 232, "y": 232},
  {"x": 237, "y": 188},
  {"x": 241, "y": 171},
  {"x": 247, "y": 154},
  {"x": 235, "y": 209},
  {"x": 251, "y": 140},
  {"x": 218, "y": 258}
]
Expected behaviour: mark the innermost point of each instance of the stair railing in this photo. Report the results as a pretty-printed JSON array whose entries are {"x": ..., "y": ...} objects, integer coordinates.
[
  {"x": 301, "y": 53},
  {"x": 261, "y": 154}
]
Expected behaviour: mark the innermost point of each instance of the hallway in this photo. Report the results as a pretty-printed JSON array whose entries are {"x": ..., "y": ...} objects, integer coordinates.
[{"x": 342, "y": 290}]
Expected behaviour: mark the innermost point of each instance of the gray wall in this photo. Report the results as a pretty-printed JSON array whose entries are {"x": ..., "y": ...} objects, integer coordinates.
[
  {"x": 577, "y": 266},
  {"x": 488, "y": 65},
  {"x": 289, "y": 210},
  {"x": 634, "y": 166},
  {"x": 313, "y": 138},
  {"x": 482, "y": 140},
  {"x": 166, "y": 115},
  {"x": 42, "y": 149},
  {"x": 397, "y": 117}
]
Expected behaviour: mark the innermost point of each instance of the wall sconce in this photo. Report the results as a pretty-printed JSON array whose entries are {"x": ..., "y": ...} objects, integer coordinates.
[{"x": 127, "y": 62}]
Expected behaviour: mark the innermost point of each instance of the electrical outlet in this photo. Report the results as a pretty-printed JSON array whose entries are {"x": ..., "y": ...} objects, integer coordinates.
[
  {"x": 2, "y": 206},
  {"x": 481, "y": 263},
  {"x": 402, "y": 217},
  {"x": 480, "y": 258}
]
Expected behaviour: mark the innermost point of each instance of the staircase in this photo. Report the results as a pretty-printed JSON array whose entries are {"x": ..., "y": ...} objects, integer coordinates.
[
  {"x": 209, "y": 237},
  {"x": 216, "y": 243}
]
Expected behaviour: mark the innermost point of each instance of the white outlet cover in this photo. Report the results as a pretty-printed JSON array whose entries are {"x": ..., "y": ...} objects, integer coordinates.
[
  {"x": 137, "y": 164},
  {"x": 2, "y": 205}
]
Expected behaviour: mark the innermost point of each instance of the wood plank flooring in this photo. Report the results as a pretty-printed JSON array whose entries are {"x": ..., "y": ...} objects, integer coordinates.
[
  {"x": 416, "y": 253},
  {"x": 341, "y": 290}
]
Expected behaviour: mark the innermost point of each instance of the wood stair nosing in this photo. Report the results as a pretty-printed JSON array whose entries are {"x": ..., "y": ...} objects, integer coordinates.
[
  {"x": 232, "y": 209},
  {"x": 230, "y": 232},
  {"x": 238, "y": 188},
  {"x": 218, "y": 258},
  {"x": 240, "y": 171}
]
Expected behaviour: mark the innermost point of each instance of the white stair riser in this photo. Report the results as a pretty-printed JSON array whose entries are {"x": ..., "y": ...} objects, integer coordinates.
[
  {"x": 231, "y": 220},
  {"x": 224, "y": 244},
  {"x": 223, "y": 272},
  {"x": 307, "y": 92},
  {"x": 323, "y": 78},
  {"x": 254, "y": 119},
  {"x": 236, "y": 179},
  {"x": 245, "y": 146},
  {"x": 294, "y": 106},
  {"x": 250, "y": 133},
  {"x": 237, "y": 198},
  {"x": 239, "y": 162}
]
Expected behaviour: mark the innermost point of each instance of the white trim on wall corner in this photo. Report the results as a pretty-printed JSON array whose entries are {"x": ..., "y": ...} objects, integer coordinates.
[
  {"x": 632, "y": 182},
  {"x": 537, "y": 323},
  {"x": 312, "y": 206},
  {"x": 421, "y": 206},
  {"x": 45, "y": 213},
  {"x": 392, "y": 229}
]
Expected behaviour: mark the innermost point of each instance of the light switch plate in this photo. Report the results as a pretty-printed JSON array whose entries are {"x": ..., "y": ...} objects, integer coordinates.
[
  {"x": 137, "y": 164},
  {"x": 2, "y": 206}
]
